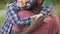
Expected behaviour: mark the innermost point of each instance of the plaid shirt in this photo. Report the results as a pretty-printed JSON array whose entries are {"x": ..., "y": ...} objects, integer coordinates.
[{"x": 13, "y": 18}]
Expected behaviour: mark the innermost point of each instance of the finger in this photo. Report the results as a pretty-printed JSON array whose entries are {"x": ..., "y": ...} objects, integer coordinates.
[
  {"x": 38, "y": 16},
  {"x": 40, "y": 19}
]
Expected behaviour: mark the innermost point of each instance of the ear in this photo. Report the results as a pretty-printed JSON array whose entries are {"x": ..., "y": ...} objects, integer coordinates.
[{"x": 40, "y": 1}]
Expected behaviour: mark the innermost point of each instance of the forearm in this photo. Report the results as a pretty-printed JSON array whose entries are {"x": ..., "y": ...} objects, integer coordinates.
[
  {"x": 34, "y": 26},
  {"x": 15, "y": 19}
]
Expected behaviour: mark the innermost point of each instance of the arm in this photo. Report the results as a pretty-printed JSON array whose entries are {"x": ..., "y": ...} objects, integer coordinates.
[
  {"x": 46, "y": 11},
  {"x": 34, "y": 25},
  {"x": 12, "y": 15}
]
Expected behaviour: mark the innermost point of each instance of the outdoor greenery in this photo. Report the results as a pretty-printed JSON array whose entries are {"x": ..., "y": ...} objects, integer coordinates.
[
  {"x": 54, "y": 3},
  {"x": 2, "y": 19}
]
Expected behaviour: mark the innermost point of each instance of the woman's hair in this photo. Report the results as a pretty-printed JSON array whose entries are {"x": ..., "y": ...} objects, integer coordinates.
[
  {"x": 41, "y": 3},
  {"x": 35, "y": 4}
]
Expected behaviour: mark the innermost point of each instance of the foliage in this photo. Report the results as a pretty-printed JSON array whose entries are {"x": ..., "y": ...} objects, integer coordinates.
[
  {"x": 47, "y": 1},
  {"x": 52, "y": 1},
  {"x": 2, "y": 19},
  {"x": 6, "y": 1}
]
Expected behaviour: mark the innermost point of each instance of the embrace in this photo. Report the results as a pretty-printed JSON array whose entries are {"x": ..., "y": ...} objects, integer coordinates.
[{"x": 29, "y": 17}]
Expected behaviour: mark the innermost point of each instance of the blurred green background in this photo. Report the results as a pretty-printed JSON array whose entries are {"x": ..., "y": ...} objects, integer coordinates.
[{"x": 3, "y": 5}]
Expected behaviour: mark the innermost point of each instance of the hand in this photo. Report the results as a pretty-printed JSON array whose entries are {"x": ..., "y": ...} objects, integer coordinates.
[
  {"x": 36, "y": 17},
  {"x": 47, "y": 19},
  {"x": 36, "y": 21},
  {"x": 23, "y": 33}
]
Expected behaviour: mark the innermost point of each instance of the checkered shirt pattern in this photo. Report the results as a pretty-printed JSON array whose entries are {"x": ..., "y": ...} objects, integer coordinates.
[{"x": 13, "y": 18}]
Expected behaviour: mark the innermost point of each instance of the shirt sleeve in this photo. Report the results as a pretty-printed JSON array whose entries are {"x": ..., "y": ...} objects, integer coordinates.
[{"x": 15, "y": 19}]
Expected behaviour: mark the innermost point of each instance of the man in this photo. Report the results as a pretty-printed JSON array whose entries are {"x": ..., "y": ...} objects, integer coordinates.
[
  {"x": 27, "y": 31},
  {"x": 47, "y": 27}
]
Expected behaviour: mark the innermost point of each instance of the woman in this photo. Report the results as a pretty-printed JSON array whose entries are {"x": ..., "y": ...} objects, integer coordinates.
[
  {"x": 49, "y": 25},
  {"x": 15, "y": 21}
]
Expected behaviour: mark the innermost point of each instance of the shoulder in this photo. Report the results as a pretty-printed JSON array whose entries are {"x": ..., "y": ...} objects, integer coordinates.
[
  {"x": 12, "y": 4},
  {"x": 53, "y": 15},
  {"x": 54, "y": 18},
  {"x": 54, "y": 23}
]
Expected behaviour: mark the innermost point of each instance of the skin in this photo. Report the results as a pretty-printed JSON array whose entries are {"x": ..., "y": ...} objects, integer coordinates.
[
  {"x": 36, "y": 21},
  {"x": 22, "y": 4},
  {"x": 31, "y": 28}
]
